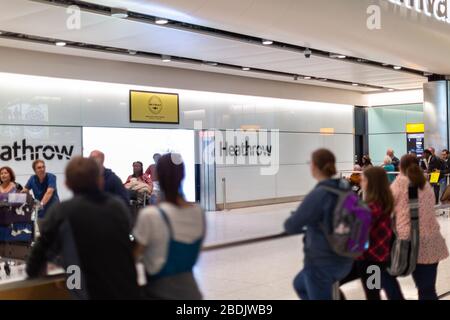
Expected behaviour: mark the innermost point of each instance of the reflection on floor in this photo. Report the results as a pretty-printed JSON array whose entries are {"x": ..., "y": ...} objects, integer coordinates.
[
  {"x": 247, "y": 223},
  {"x": 265, "y": 270}
]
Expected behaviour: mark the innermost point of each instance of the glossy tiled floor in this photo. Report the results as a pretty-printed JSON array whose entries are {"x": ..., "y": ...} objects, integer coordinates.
[{"x": 264, "y": 270}]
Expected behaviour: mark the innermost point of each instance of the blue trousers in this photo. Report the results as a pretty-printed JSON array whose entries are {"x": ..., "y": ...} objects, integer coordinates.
[{"x": 316, "y": 282}]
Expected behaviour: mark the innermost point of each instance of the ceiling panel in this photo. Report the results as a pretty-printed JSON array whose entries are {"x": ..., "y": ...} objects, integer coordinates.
[{"x": 27, "y": 17}]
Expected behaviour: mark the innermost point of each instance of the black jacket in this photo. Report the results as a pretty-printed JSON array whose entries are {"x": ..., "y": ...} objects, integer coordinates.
[
  {"x": 92, "y": 232},
  {"x": 435, "y": 164},
  {"x": 114, "y": 185},
  {"x": 396, "y": 163}
]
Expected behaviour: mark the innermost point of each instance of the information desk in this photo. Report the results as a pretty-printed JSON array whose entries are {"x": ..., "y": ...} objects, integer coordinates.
[{"x": 45, "y": 288}]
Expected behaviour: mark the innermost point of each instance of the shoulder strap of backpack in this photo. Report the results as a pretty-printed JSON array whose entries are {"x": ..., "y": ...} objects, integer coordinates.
[{"x": 413, "y": 195}]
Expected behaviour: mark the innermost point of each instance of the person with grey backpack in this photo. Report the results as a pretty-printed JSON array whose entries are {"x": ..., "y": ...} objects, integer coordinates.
[
  {"x": 419, "y": 246},
  {"x": 325, "y": 217}
]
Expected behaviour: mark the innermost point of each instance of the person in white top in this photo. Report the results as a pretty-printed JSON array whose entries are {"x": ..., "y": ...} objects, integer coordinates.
[{"x": 169, "y": 237}]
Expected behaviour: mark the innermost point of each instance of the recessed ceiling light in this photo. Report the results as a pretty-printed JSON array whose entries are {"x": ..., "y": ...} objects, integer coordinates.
[
  {"x": 390, "y": 89},
  {"x": 339, "y": 56},
  {"x": 60, "y": 43},
  {"x": 267, "y": 42},
  {"x": 211, "y": 63},
  {"x": 355, "y": 84},
  {"x": 161, "y": 21},
  {"x": 385, "y": 64},
  {"x": 397, "y": 67},
  {"x": 120, "y": 13},
  {"x": 323, "y": 79},
  {"x": 166, "y": 58},
  {"x": 132, "y": 52},
  {"x": 1, "y": 32},
  {"x": 426, "y": 74},
  {"x": 245, "y": 69},
  {"x": 307, "y": 78}
]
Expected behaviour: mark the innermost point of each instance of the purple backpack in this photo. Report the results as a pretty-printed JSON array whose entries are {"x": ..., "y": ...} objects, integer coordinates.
[{"x": 351, "y": 220}]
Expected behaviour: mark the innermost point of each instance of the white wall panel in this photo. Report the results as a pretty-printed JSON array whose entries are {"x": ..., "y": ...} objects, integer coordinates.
[
  {"x": 88, "y": 103},
  {"x": 32, "y": 100},
  {"x": 244, "y": 184}
]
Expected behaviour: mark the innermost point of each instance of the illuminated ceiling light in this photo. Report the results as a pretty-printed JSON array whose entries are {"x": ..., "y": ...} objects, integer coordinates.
[
  {"x": 161, "y": 21},
  {"x": 267, "y": 42},
  {"x": 323, "y": 79},
  {"x": 426, "y": 74},
  {"x": 390, "y": 89},
  {"x": 355, "y": 84},
  {"x": 307, "y": 78},
  {"x": 338, "y": 56},
  {"x": 60, "y": 43},
  {"x": 211, "y": 63},
  {"x": 245, "y": 69},
  {"x": 119, "y": 13},
  {"x": 397, "y": 67},
  {"x": 166, "y": 58},
  {"x": 132, "y": 52},
  {"x": 1, "y": 32},
  {"x": 385, "y": 64}
]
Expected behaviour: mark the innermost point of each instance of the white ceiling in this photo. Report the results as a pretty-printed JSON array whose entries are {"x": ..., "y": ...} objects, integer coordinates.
[{"x": 293, "y": 21}]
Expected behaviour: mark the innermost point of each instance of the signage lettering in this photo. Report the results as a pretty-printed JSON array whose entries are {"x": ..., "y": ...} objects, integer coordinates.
[
  {"x": 21, "y": 151},
  {"x": 244, "y": 149},
  {"x": 439, "y": 9}
]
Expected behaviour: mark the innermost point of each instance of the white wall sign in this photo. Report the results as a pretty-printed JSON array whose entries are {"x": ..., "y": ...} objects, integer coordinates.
[
  {"x": 439, "y": 9},
  {"x": 21, "y": 145}
]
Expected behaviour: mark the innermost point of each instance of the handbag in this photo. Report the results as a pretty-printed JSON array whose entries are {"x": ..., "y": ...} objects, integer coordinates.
[{"x": 404, "y": 253}]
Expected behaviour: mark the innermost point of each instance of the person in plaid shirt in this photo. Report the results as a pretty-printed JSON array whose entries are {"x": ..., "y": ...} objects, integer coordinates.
[{"x": 378, "y": 196}]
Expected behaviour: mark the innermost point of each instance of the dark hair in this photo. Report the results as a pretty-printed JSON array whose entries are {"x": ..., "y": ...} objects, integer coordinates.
[
  {"x": 427, "y": 152},
  {"x": 142, "y": 170},
  {"x": 170, "y": 171},
  {"x": 325, "y": 161},
  {"x": 366, "y": 160},
  {"x": 36, "y": 162},
  {"x": 11, "y": 173},
  {"x": 445, "y": 151},
  {"x": 82, "y": 175},
  {"x": 378, "y": 189},
  {"x": 410, "y": 167}
]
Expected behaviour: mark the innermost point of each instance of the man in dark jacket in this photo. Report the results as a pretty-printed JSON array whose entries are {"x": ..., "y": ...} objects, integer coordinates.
[
  {"x": 88, "y": 232},
  {"x": 431, "y": 163},
  {"x": 395, "y": 161},
  {"x": 113, "y": 184}
]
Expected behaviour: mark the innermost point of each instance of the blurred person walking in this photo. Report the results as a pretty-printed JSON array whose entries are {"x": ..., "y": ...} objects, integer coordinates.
[
  {"x": 322, "y": 266},
  {"x": 432, "y": 246},
  {"x": 169, "y": 237}
]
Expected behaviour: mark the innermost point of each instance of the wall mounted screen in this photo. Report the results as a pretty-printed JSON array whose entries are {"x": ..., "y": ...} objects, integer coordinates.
[{"x": 123, "y": 146}]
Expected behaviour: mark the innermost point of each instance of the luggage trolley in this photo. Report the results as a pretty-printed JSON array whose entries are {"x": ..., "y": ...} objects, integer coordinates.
[
  {"x": 138, "y": 200},
  {"x": 18, "y": 226}
]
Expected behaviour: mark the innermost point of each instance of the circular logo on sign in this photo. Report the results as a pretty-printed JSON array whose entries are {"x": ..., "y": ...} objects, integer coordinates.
[{"x": 155, "y": 105}]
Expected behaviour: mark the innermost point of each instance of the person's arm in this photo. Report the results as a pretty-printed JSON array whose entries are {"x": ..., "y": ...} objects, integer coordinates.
[
  {"x": 37, "y": 260},
  {"x": 27, "y": 187},
  {"x": 148, "y": 181},
  {"x": 143, "y": 232},
  {"x": 308, "y": 212},
  {"x": 47, "y": 196},
  {"x": 401, "y": 208},
  {"x": 50, "y": 190}
]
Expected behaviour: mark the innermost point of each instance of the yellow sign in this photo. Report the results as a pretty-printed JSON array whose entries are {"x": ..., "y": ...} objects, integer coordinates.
[
  {"x": 154, "y": 107},
  {"x": 434, "y": 177},
  {"x": 415, "y": 128}
]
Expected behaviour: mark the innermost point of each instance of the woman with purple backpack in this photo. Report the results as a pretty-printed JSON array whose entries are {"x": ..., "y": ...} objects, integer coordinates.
[
  {"x": 378, "y": 196},
  {"x": 322, "y": 266}
]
